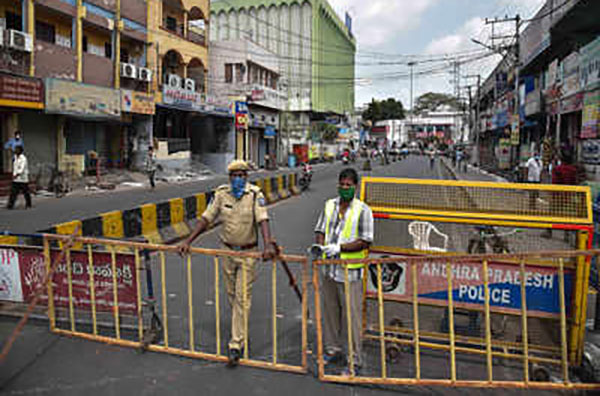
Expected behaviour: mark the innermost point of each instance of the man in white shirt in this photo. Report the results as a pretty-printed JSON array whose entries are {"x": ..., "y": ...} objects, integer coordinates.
[
  {"x": 534, "y": 172},
  {"x": 20, "y": 182}
]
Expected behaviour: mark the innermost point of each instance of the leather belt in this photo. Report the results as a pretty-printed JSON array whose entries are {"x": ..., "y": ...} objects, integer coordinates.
[{"x": 244, "y": 247}]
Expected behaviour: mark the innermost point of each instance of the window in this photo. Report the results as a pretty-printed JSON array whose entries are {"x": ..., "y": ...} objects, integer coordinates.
[
  {"x": 108, "y": 50},
  {"x": 13, "y": 21},
  {"x": 44, "y": 32},
  {"x": 171, "y": 24},
  {"x": 228, "y": 73},
  {"x": 124, "y": 55},
  {"x": 84, "y": 44},
  {"x": 239, "y": 75}
]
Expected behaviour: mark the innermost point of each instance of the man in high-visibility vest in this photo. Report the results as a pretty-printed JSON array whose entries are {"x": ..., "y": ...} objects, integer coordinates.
[{"x": 345, "y": 231}]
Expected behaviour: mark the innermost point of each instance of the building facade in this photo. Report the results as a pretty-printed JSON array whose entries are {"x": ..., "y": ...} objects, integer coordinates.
[
  {"x": 87, "y": 79},
  {"x": 316, "y": 54},
  {"x": 558, "y": 96}
]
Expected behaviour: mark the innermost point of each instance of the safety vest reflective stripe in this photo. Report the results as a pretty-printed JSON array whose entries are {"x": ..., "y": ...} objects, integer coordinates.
[{"x": 350, "y": 231}]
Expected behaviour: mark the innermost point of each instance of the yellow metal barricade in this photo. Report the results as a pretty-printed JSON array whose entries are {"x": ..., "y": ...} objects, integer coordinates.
[
  {"x": 406, "y": 352},
  {"x": 99, "y": 295}
]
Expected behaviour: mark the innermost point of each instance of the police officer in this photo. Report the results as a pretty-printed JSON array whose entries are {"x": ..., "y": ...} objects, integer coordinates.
[{"x": 241, "y": 208}]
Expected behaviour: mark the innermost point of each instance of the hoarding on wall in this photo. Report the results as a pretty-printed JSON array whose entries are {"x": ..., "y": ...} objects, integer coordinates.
[
  {"x": 182, "y": 98},
  {"x": 570, "y": 75},
  {"x": 137, "y": 102},
  {"x": 29, "y": 264},
  {"x": 19, "y": 91},
  {"x": 83, "y": 100},
  {"x": 590, "y": 122},
  {"x": 590, "y": 65},
  {"x": 541, "y": 286}
]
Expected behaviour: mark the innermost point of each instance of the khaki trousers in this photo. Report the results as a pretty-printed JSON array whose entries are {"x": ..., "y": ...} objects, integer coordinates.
[
  {"x": 334, "y": 316},
  {"x": 234, "y": 283}
]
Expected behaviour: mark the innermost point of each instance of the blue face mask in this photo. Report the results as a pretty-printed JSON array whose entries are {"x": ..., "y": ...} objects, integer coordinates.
[{"x": 238, "y": 184}]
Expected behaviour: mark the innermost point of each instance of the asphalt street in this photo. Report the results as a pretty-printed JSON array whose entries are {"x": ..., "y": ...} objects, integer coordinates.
[{"x": 42, "y": 363}]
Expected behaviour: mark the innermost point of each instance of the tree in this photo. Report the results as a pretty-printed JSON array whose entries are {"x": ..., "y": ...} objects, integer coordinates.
[
  {"x": 324, "y": 132},
  {"x": 432, "y": 101},
  {"x": 389, "y": 109}
]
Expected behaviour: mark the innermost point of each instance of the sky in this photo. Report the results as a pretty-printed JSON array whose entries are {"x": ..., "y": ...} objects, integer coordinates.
[{"x": 390, "y": 33}]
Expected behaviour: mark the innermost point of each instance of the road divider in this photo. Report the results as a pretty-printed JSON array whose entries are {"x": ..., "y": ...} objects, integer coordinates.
[{"x": 162, "y": 222}]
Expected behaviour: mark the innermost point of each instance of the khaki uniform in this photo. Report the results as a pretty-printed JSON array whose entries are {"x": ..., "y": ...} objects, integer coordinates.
[{"x": 239, "y": 218}]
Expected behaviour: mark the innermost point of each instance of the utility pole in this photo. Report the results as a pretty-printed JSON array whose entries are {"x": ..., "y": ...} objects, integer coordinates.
[
  {"x": 477, "y": 118},
  {"x": 411, "y": 64},
  {"x": 516, "y": 65}
]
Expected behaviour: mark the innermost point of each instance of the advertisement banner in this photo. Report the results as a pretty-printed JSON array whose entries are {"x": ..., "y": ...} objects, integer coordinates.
[
  {"x": 31, "y": 267},
  {"x": 515, "y": 138},
  {"x": 541, "y": 286},
  {"x": 72, "y": 98},
  {"x": 590, "y": 121},
  {"x": 570, "y": 75},
  {"x": 137, "y": 102},
  {"x": 182, "y": 98},
  {"x": 10, "y": 276},
  {"x": 590, "y": 65},
  {"x": 17, "y": 91}
]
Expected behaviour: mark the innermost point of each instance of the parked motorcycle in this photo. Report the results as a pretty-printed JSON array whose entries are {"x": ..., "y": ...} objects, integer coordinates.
[{"x": 306, "y": 176}]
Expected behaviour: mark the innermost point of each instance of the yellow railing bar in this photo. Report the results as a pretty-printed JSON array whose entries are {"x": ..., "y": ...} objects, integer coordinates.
[
  {"x": 274, "y": 307},
  {"x": 139, "y": 295},
  {"x": 416, "y": 341},
  {"x": 70, "y": 287},
  {"x": 115, "y": 292},
  {"x": 563, "y": 321},
  {"x": 217, "y": 307},
  {"x": 349, "y": 321},
  {"x": 245, "y": 306},
  {"x": 190, "y": 301},
  {"x": 304, "y": 313},
  {"x": 50, "y": 291},
  {"x": 488, "y": 325},
  {"x": 92, "y": 289},
  {"x": 524, "y": 331},
  {"x": 381, "y": 322},
  {"x": 163, "y": 284},
  {"x": 317, "y": 287},
  {"x": 451, "y": 323}
]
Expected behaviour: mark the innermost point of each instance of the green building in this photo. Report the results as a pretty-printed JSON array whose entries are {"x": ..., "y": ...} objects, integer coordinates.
[{"x": 316, "y": 53}]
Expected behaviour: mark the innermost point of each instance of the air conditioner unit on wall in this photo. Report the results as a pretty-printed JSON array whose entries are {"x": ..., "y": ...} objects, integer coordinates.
[
  {"x": 190, "y": 84},
  {"x": 128, "y": 70},
  {"x": 144, "y": 74},
  {"x": 20, "y": 41},
  {"x": 173, "y": 81}
]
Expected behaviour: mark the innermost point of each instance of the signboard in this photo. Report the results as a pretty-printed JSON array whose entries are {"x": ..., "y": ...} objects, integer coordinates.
[
  {"x": 541, "y": 286},
  {"x": 570, "y": 74},
  {"x": 68, "y": 97},
  {"x": 30, "y": 266},
  {"x": 182, "y": 98},
  {"x": 591, "y": 115},
  {"x": 515, "y": 131},
  {"x": 270, "y": 132},
  {"x": 20, "y": 91},
  {"x": 241, "y": 115},
  {"x": 590, "y": 64},
  {"x": 572, "y": 103},
  {"x": 137, "y": 102},
  {"x": 10, "y": 276}
]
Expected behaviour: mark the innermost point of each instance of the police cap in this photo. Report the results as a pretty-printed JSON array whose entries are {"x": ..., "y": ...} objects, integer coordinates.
[{"x": 238, "y": 165}]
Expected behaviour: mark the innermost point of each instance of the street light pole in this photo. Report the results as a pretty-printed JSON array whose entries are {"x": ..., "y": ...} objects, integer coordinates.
[{"x": 411, "y": 64}]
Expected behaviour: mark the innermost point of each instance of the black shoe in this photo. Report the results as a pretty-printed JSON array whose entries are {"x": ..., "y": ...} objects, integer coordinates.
[{"x": 234, "y": 357}]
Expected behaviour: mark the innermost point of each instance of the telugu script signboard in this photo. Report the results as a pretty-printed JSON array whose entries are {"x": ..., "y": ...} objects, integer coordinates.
[
  {"x": 541, "y": 286},
  {"x": 30, "y": 265},
  {"x": 137, "y": 102},
  {"x": 21, "y": 91}
]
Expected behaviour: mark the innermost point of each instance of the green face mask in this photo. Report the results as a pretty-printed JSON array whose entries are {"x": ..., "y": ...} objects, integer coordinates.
[{"x": 346, "y": 194}]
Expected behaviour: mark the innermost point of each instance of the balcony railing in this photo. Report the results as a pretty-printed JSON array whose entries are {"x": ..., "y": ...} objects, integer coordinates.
[{"x": 192, "y": 36}]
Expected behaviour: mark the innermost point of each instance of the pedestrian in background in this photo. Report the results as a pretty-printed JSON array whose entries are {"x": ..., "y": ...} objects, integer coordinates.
[
  {"x": 13, "y": 143},
  {"x": 534, "y": 173},
  {"x": 151, "y": 165},
  {"x": 564, "y": 172},
  {"x": 20, "y": 182},
  {"x": 345, "y": 231},
  {"x": 242, "y": 210}
]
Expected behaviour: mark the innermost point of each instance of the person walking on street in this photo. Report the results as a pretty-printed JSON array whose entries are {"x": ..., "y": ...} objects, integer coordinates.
[
  {"x": 151, "y": 165},
  {"x": 241, "y": 207},
  {"x": 20, "y": 182},
  {"x": 345, "y": 231},
  {"x": 534, "y": 173}
]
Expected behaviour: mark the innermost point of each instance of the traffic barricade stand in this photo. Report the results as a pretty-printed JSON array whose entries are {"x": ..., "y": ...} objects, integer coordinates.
[
  {"x": 99, "y": 296},
  {"x": 448, "y": 358}
]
